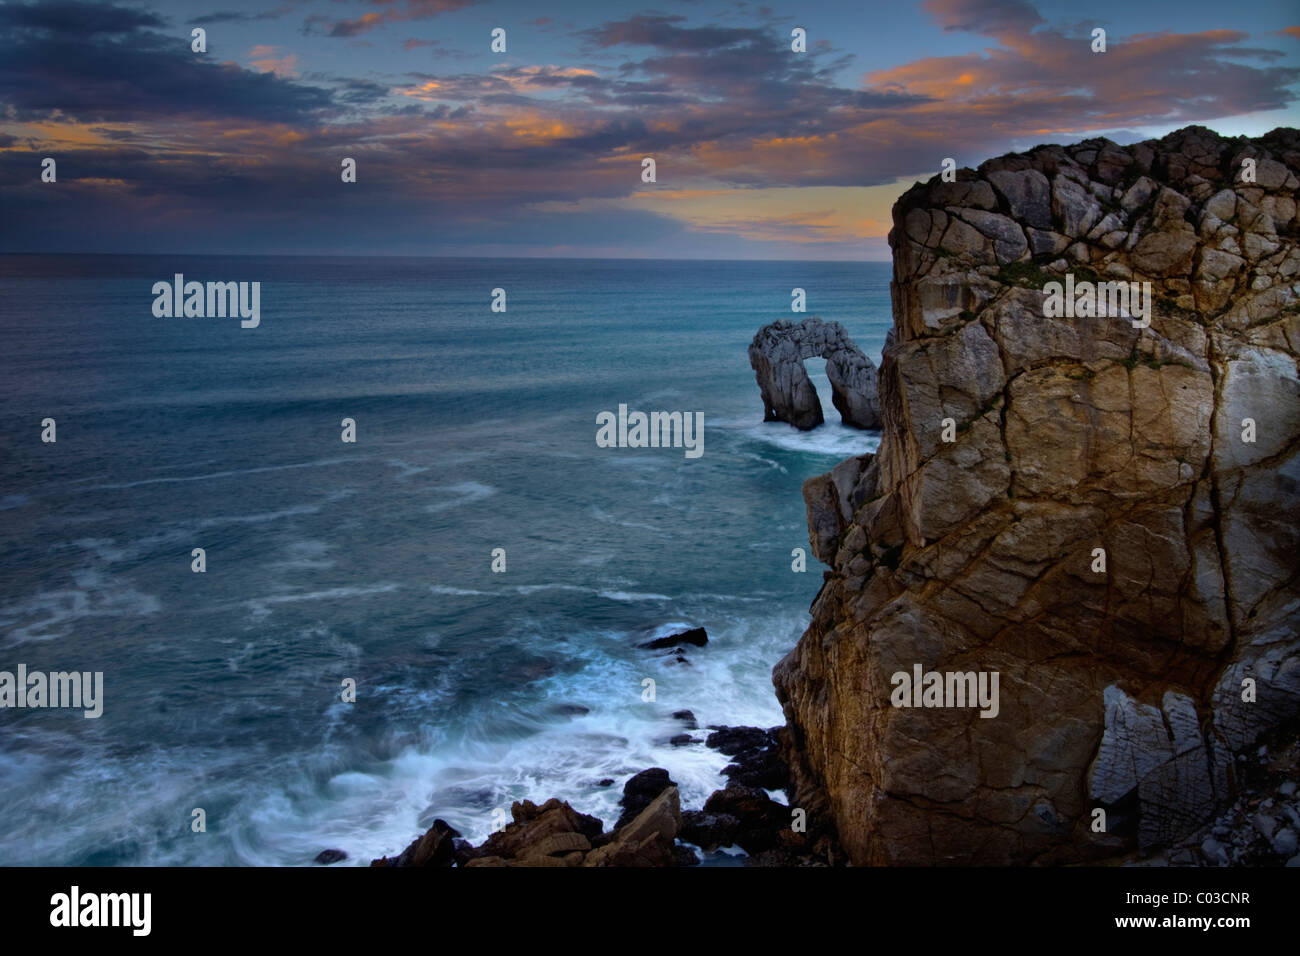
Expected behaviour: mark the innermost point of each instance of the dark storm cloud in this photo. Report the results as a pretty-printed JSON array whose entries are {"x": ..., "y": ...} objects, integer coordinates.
[
  {"x": 73, "y": 18},
  {"x": 462, "y": 156},
  {"x": 664, "y": 32},
  {"x": 234, "y": 16},
  {"x": 985, "y": 17},
  {"x": 388, "y": 11},
  {"x": 104, "y": 63}
]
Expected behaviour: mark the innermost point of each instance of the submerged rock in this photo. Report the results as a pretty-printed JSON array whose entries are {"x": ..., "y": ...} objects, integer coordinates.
[{"x": 696, "y": 636}]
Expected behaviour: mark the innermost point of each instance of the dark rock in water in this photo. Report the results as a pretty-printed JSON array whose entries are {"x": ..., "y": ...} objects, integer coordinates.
[
  {"x": 463, "y": 851},
  {"x": 647, "y": 839},
  {"x": 435, "y": 848},
  {"x": 695, "y": 635},
  {"x": 761, "y": 818},
  {"x": 685, "y": 856},
  {"x": 758, "y": 761},
  {"x": 709, "y": 831},
  {"x": 687, "y": 718},
  {"x": 682, "y": 660},
  {"x": 733, "y": 740},
  {"x": 607, "y": 782},
  {"x": 759, "y": 768},
  {"x": 774, "y": 858},
  {"x": 764, "y": 767},
  {"x": 682, "y": 740},
  {"x": 640, "y": 791},
  {"x": 570, "y": 710},
  {"x": 523, "y": 670},
  {"x": 326, "y": 857}
]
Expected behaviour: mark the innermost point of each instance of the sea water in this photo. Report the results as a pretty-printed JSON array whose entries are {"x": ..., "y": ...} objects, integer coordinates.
[{"x": 372, "y": 561}]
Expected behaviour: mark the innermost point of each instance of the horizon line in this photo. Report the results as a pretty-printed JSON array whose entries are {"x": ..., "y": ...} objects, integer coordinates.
[{"x": 339, "y": 255}]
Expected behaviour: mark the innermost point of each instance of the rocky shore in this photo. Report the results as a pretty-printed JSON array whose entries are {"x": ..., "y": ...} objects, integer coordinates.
[
  {"x": 653, "y": 830},
  {"x": 1097, "y": 509}
]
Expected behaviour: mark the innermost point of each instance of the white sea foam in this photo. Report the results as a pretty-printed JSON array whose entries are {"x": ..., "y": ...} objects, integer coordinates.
[
  {"x": 231, "y": 473},
  {"x": 55, "y": 612},
  {"x": 632, "y": 596},
  {"x": 833, "y": 439},
  {"x": 464, "y": 492},
  {"x": 262, "y": 518},
  {"x": 260, "y": 607},
  {"x": 406, "y": 470},
  {"x": 601, "y": 515}
]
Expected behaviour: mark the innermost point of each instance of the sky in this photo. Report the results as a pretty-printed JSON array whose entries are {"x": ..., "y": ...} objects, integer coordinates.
[{"x": 761, "y": 152}]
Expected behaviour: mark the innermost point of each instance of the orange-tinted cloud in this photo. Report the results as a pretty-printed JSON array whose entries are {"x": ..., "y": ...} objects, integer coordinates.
[{"x": 265, "y": 59}]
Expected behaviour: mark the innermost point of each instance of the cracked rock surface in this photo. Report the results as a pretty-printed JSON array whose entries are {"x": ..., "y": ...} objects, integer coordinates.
[{"x": 1132, "y": 690}]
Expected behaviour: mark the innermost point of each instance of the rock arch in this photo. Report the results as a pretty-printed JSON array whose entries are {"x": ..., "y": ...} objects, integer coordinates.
[{"x": 777, "y": 355}]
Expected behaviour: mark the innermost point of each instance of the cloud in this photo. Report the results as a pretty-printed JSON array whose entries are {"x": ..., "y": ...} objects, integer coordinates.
[
  {"x": 1049, "y": 83},
  {"x": 102, "y": 63},
  {"x": 392, "y": 13},
  {"x": 751, "y": 142},
  {"x": 72, "y": 18},
  {"x": 992, "y": 18},
  {"x": 265, "y": 58},
  {"x": 234, "y": 16}
]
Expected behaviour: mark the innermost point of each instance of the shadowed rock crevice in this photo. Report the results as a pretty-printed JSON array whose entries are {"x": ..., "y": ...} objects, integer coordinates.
[
  {"x": 1136, "y": 689},
  {"x": 777, "y": 354}
]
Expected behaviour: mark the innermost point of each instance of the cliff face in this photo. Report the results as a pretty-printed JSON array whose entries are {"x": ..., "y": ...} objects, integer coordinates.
[{"x": 1127, "y": 689}]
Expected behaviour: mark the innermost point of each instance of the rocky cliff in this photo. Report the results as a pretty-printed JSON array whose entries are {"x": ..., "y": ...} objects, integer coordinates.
[{"x": 1100, "y": 512}]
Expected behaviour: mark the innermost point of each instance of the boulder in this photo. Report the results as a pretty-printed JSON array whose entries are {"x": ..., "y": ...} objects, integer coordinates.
[
  {"x": 696, "y": 636},
  {"x": 640, "y": 791}
]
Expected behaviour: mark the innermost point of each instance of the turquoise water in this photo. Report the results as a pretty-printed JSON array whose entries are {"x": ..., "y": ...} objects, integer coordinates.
[{"x": 372, "y": 561}]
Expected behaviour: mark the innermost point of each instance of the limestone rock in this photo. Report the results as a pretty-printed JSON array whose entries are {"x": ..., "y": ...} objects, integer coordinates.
[
  {"x": 777, "y": 355},
  {"x": 1173, "y": 451}
]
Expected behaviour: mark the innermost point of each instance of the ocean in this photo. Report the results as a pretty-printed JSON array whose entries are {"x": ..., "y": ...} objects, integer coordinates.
[{"x": 372, "y": 561}]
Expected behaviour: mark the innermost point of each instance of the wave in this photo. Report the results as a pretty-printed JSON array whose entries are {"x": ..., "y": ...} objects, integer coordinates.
[
  {"x": 631, "y": 596},
  {"x": 465, "y": 492},
  {"x": 232, "y": 473},
  {"x": 94, "y": 597},
  {"x": 260, "y": 606},
  {"x": 831, "y": 439}
]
